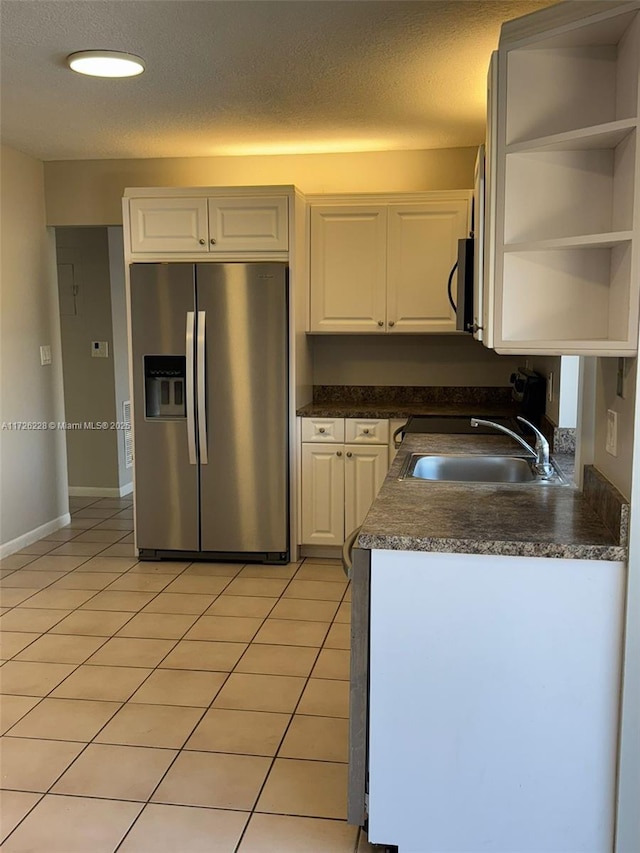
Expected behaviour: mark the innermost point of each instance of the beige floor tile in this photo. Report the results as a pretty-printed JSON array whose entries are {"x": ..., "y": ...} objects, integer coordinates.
[
  {"x": 252, "y": 692},
  {"x": 108, "y": 536},
  {"x": 12, "y": 642},
  {"x": 79, "y": 502},
  {"x": 29, "y": 620},
  {"x": 214, "y": 780},
  {"x": 14, "y": 805},
  {"x": 106, "y": 683},
  {"x": 267, "y": 587},
  {"x": 204, "y": 655},
  {"x": 77, "y": 579},
  {"x": 78, "y": 524},
  {"x": 332, "y": 663},
  {"x": 61, "y": 648},
  {"x": 64, "y": 534},
  {"x": 291, "y": 632},
  {"x": 347, "y": 595},
  {"x": 93, "y": 512},
  {"x": 170, "y": 626},
  {"x": 108, "y": 564},
  {"x": 125, "y": 651},
  {"x": 138, "y": 582},
  {"x": 339, "y": 636},
  {"x": 26, "y": 579},
  {"x": 213, "y": 570},
  {"x": 242, "y": 732},
  {"x": 129, "y": 539},
  {"x": 115, "y": 503},
  {"x": 305, "y": 610},
  {"x": 159, "y": 567},
  {"x": 240, "y": 629},
  {"x": 279, "y": 572},
  {"x": 179, "y": 602},
  {"x": 198, "y": 584},
  {"x": 344, "y": 613},
  {"x": 16, "y": 561},
  {"x": 277, "y": 660},
  {"x": 25, "y": 678},
  {"x": 184, "y": 829},
  {"x": 241, "y": 605},
  {"x": 78, "y": 549},
  {"x": 13, "y": 708},
  {"x": 325, "y": 698},
  {"x": 73, "y": 825},
  {"x": 317, "y": 572},
  {"x": 115, "y": 524},
  {"x": 65, "y": 719},
  {"x": 132, "y": 601},
  {"x": 59, "y": 599},
  {"x": 119, "y": 551},
  {"x": 267, "y": 833},
  {"x": 116, "y": 772},
  {"x": 166, "y": 726},
  {"x": 317, "y": 739},
  {"x": 180, "y": 687},
  {"x": 322, "y": 590},
  {"x": 49, "y": 563},
  {"x": 125, "y": 513},
  {"x": 16, "y": 595},
  {"x": 34, "y": 765},
  {"x": 311, "y": 788},
  {"x": 42, "y": 546},
  {"x": 94, "y": 623}
]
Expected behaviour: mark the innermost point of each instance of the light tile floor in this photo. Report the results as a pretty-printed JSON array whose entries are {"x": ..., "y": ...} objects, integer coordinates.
[{"x": 149, "y": 707}]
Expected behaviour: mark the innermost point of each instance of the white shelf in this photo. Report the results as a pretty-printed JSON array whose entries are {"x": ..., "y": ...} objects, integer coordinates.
[
  {"x": 583, "y": 241},
  {"x": 606, "y": 135}
]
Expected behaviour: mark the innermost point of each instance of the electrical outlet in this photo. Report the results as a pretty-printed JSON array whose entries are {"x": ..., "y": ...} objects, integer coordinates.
[
  {"x": 611, "y": 445},
  {"x": 550, "y": 387}
]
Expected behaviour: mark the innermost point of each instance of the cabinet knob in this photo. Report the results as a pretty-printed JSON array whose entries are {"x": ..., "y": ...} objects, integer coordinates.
[
  {"x": 381, "y": 322},
  {"x": 213, "y": 241},
  {"x": 202, "y": 241},
  {"x": 321, "y": 429},
  {"x": 349, "y": 454},
  {"x": 366, "y": 431},
  {"x": 392, "y": 322},
  {"x": 339, "y": 453}
]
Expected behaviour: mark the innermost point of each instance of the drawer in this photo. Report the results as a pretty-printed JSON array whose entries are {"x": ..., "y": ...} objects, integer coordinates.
[
  {"x": 323, "y": 429},
  {"x": 367, "y": 431}
]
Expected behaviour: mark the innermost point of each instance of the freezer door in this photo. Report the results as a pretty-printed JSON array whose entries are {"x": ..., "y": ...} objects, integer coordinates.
[
  {"x": 242, "y": 314},
  {"x": 163, "y": 353}
]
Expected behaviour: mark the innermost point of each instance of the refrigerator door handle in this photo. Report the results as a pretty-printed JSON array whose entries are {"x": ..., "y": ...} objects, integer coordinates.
[
  {"x": 202, "y": 385},
  {"x": 190, "y": 394}
]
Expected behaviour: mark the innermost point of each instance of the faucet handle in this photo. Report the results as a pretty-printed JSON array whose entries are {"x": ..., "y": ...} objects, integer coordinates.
[{"x": 539, "y": 435}]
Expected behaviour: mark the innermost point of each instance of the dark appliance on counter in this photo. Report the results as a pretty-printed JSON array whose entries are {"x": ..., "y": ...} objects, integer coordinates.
[
  {"x": 210, "y": 380},
  {"x": 529, "y": 391}
]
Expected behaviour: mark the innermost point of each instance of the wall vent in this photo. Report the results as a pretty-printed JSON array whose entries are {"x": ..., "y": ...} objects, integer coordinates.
[{"x": 128, "y": 433}]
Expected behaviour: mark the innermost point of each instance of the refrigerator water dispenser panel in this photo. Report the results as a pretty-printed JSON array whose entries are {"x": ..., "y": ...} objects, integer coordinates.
[{"x": 164, "y": 381}]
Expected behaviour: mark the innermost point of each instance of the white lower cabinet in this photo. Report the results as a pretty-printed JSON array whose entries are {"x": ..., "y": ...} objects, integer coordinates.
[{"x": 340, "y": 480}]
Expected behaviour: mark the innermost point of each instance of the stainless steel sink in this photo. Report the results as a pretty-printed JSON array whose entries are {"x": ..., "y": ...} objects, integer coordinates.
[{"x": 460, "y": 468}]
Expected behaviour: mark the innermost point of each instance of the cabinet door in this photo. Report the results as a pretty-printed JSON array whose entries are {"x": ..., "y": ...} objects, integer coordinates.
[
  {"x": 168, "y": 225},
  {"x": 365, "y": 470},
  {"x": 348, "y": 268},
  {"x": 423, "y": 247},
  {"x": 248, "y": 224},
  {"x": 322, "y": 494}
]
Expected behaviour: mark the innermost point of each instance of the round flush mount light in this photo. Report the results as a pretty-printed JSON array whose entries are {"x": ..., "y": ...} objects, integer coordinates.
[{"x": 105, "y": 63}]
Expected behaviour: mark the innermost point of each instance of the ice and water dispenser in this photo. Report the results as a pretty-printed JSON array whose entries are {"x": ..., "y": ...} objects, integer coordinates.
[{"x": 164, "y": 380}]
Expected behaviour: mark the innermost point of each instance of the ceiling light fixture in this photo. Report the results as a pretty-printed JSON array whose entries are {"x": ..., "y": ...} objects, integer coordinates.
[{"x": 105, "y": 63}]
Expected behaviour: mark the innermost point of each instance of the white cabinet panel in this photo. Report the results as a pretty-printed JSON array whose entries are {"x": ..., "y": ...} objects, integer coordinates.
[
  {"x": 365, "y": 470},
  {"x": 248, "y": 224},
  {"x": 168, "y": 225},
  {"x": 366, "y": 431},
  {"x": 322, "y": 494}
]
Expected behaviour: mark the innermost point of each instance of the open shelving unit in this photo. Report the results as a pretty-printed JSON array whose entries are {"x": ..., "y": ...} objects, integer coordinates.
[{"x": 567, "y": 164}]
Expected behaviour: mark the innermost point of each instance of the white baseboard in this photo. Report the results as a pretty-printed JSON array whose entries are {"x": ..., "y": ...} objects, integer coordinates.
[
  {"x": 100, "y": 491},
  {"x": 33, "y": 535}
]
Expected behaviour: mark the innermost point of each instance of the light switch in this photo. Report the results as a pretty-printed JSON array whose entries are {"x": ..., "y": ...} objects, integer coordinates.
[
  {"x": 99, "y": 349},
  {"x": 611, "y": 445},
  {"x": 45, "y": 354}
]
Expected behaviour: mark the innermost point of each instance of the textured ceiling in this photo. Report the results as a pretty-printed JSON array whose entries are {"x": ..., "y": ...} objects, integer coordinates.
[{"x": 248, "y": 76}]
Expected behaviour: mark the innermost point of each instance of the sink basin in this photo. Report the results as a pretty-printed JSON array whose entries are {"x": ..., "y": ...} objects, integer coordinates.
[{"x": 474, "y": 469}]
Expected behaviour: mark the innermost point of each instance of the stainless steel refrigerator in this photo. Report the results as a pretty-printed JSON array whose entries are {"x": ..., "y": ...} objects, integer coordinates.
[{"x": 211, "y": 438}]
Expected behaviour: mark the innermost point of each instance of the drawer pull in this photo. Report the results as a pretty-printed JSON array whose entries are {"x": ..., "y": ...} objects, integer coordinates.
[
  {"x": 339, "y": 453},
  {"x": 349, "y": 454},
  {"x": 366, "y": 430},
  {"x": 321, "y": 430}
]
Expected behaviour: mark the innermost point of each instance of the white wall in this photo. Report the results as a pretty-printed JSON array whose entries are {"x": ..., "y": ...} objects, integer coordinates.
[
  {"x": 33, "y": 462},
  {"x": 618, "y": 468},
  {"x": 120, "y": 343}
]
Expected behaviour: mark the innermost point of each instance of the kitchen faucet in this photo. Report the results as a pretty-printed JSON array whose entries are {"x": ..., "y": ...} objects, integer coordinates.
[{"x": 541, "y": 452}]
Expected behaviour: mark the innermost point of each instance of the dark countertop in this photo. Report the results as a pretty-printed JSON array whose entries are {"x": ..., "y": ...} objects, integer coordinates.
[{"x": 472, "y": 518}]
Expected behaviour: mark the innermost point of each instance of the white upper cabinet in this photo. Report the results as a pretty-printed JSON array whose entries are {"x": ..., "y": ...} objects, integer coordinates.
[
  {"x": 208, "y": 225},
  {"x": 382, "y": 265},
  {"x": 562, "y": 259}
]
